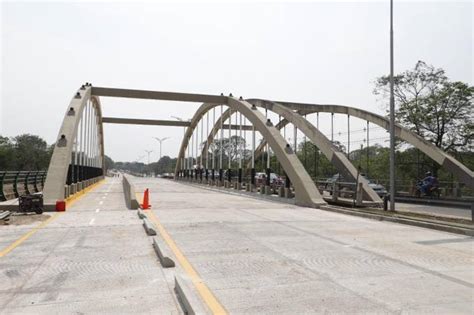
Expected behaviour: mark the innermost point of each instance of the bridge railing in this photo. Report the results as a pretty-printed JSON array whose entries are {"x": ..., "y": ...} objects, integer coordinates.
[
  {"x": 447, "y": 189},
  {"x": 406, "y": 188},
  {"x": 17, "y": 183}
]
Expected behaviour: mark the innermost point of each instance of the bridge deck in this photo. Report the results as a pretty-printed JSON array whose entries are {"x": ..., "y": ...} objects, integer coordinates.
[
  {"x": 255, "y": 256},
  {"x": 262, "y": 256}
]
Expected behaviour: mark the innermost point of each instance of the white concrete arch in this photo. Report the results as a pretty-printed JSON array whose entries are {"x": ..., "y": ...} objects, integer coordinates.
[
  {"x": 306, "y": 193},
  {"x": 54, "y": 188},
  {"x": 439, "y": 156}
]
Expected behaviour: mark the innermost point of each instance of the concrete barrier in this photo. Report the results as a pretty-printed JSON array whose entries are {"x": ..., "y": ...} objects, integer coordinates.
[
  {"x": 162, "y": 253},
  {"x": 129, "y": 192},
  {"x": 150, "y": 228},
  {"x": 187, "y": 296}
]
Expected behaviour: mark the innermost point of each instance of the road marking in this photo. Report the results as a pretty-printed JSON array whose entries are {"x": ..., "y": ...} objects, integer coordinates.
[
  {"x": 97, "y": 210},
  {"x": 69, "y": 202},
  {"x": 206, "y": 294},
  {"x": 74, "y": 198},
  {"x": 28, "y": 235},
  {"x": 92, "y": 221}
]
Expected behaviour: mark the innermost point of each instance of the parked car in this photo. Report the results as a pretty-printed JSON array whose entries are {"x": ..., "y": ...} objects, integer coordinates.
[
  {"x": 275, "y": 180},
  {"x": 378, "y": 188}
]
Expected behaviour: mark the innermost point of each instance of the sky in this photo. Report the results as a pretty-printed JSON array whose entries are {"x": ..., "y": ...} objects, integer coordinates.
[{"x": 313, "y": 52}]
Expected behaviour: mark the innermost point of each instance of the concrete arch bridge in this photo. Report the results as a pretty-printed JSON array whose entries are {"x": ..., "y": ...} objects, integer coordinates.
[{"x": 78, "y": 158}]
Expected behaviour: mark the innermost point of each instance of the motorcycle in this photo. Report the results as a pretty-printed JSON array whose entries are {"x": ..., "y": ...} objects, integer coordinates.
[{"x": 432, "y": 192}]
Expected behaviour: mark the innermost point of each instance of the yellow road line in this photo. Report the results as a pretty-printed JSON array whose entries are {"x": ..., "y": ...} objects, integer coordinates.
[
  {"x": 69, "y": 201},
  {"x": 27, "y": 235},
  {"x": 203, "y": 290}
]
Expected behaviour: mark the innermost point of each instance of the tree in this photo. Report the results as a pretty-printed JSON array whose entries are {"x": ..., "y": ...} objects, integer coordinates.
[
  {"x": 164, "y": 165},
  {"x": 7, "y": 160},
  {"x": 31, "y": 152},
  {"x": 109, "y": 163},
  {"x": 435, "y": 108}
]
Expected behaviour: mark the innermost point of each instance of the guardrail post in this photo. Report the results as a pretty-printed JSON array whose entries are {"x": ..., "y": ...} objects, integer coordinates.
[
  {"x": 35, "y": 185},
  {"x": 2, "y": 180},
  {"x": 25, "y": 183},
  {"x": 456, "y": 190},
  {"x": 43, "y": 177},
  {"x": 15, "y": 185},
  {"x": 385, "y": 202}
]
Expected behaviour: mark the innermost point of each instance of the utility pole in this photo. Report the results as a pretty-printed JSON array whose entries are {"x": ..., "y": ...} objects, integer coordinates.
[
  {"x": 160, "y": 140},
  {"x": 392, "y": 118}
]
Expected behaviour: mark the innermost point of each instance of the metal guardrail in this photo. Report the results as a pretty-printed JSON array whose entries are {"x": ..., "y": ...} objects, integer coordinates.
[
  {"x": 447, "y": 189},
  {"x": 14, "y": 184}
]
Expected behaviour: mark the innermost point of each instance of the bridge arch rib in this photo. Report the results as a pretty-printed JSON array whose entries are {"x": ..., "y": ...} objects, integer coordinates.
[
  {"x": 69, "y": 170},
  {"x": 306, "y": 193},
  {"x": 463, "y": 173},
  {"x": 337, "y": 158}
]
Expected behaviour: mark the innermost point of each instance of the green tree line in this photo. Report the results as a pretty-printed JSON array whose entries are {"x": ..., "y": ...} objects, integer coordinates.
[{"x": 24, "y": 153}]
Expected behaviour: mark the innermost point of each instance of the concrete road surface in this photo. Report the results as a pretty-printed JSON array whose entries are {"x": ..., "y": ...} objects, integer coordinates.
[
  {"x": 242, "y": 256},
  {"x": 265, "y": 257},
  {"x": 92, "y": 259}
]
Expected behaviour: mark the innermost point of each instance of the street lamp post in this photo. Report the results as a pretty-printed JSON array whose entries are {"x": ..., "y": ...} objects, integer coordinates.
[
  {"x": 392, "y": 118},
  {"x": 160, "y": 140}
]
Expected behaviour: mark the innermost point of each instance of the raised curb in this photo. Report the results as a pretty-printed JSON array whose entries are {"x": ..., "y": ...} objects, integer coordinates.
[
  {"x": 150, "y": 228},
  {"x": 460, "y": 204},
  {"x": 414, "y": 222},
  {"x": 163, "y": 255},
  {"x": 188, "y": 297}
]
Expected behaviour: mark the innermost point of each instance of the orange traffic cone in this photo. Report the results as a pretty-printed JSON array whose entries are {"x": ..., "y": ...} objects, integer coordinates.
[{"x": 145, "y": 205}]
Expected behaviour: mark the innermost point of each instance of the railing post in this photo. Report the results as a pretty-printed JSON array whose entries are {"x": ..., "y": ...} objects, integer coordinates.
[
  {"x": 25, "y": 183},
  {"x": 252, "y": 178},
  {"x": 15, "y": 185},
  {"x": 43, "y": 177},
  {"x": 456, "y": 190},
  {"x": 2, "y": 180},
  {"x": 229, "y": 177},
  {"x": 35, "y": 185}
]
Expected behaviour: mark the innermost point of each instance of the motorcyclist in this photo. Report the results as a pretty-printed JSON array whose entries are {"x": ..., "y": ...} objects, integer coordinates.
[{"x": 428, "y": 183}]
